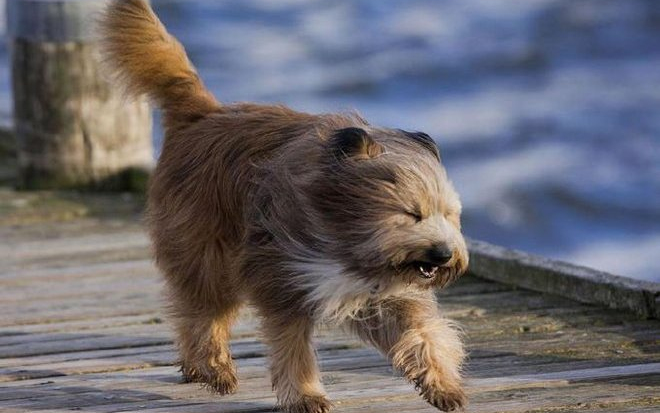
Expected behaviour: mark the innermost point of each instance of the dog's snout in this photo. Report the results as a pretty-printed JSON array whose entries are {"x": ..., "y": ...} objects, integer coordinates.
[{"x": 439, "y": 254}]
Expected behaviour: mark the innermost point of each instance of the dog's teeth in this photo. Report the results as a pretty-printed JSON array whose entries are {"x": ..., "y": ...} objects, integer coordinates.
[{"x": 428, "y": 273}]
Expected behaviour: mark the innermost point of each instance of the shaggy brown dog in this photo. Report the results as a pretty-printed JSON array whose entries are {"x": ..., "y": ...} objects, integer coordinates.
[{"x": 310, "y": 218}]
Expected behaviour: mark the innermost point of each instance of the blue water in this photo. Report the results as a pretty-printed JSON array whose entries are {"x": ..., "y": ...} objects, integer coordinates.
[{"x": 547, "y": 112}]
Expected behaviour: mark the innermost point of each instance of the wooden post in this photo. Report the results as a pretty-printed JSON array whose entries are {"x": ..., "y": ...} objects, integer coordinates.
[
  {"x": 3, "y": 18},
  {"x": 73, "y": 129}
]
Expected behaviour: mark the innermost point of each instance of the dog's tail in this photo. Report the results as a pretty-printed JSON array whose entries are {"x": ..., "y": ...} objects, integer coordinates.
[{"x": 146, "y": 59}]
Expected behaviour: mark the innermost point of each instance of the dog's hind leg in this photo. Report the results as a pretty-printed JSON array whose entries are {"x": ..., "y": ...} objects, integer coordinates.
[
  {"x": 202, "y": 301},
  {"x": 421, "y": 344},
  {"x": 294, "y": 370},
  {"x": 203, "y": 341}
]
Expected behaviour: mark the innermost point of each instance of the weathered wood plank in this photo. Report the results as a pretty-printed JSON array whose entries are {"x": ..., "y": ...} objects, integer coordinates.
[
  {"x": 86, "y": 250},
  {"x": 355, "y": 389},
  {"x": 337, "y": 350},
  {"x": 90, "y": 243},
  {"x": 81, "y": 325},
  {"x": 577, "y": 283},
  {"x": 106, "y": 215},
  {"x": 46, "y": 361},
  {"x": 333, "y": 353},
  {"x": 93, "y": 306},
  {"x": 71, "y": 273},
  {"x": 14, "y": 296}
]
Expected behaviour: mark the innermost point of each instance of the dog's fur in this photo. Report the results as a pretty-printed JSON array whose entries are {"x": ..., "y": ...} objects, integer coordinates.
[{"x": 309, "y": 218}]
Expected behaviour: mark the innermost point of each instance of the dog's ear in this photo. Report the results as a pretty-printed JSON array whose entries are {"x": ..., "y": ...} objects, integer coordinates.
[
  {"x": 354, "y": 143},
  {"x": 425, "y": 140}
]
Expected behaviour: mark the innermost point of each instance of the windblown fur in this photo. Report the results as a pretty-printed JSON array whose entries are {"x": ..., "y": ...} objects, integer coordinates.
[
  {"x": 147, "y": 60},
  {"x": 310, "y": 218}
]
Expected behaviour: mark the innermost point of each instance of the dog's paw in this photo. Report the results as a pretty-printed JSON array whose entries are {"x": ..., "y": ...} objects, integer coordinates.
[
  {"x": 309, "y": 404},
  {"x": 221, "y": 378},
  {"x": 446, "y": 400},
  {"x": 224, "y": 381}
]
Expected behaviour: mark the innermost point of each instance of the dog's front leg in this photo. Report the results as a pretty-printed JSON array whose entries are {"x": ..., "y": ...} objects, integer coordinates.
[
  {"x": 420, "y": 343},
  {"x": 294, "y": 370}
]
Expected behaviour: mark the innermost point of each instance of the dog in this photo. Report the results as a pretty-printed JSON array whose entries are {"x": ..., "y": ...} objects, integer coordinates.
[{"x": 309, "y": 218}]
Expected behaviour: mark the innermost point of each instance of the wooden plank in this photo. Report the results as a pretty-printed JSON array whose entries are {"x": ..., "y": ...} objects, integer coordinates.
[
  {"x": 144, "y": 329},
  {"x": 14, "y": 296},
  {"x": 121, "y": 337},
  {"x": 82, "y": 325},
  {"x": 400, "y": 399},
  {"x": 567, "y": 280},
  {"x": 47, "y": 361},
  {"x": 103, "y": 216},
  {"x": 72, "y": 272},
  {"x": 351, "y": 356},
  {"x": 332, "y": 352},
  {"x": 351, "y": 390},
  {"x": 500, "y": 383},
  {"x": 88, "y": 243},
  {"x": 91, "y": 307},
  {"x": 68, "y": 260},
  {"x": 587, "y": 397}
]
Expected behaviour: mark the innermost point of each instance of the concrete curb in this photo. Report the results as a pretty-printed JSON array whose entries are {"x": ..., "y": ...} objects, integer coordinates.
[{"x": 571, "y": 281}]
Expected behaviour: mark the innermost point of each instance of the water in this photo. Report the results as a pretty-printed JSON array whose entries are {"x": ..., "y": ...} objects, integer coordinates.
[{"x": 546, "y": 111}]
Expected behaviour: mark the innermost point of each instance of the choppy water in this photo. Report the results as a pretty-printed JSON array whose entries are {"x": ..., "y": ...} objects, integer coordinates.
[{"x": 546, "y": 111}]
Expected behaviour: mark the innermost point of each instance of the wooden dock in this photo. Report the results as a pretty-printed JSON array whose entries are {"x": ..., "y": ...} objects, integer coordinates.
[{"x": 81, "y": 329}]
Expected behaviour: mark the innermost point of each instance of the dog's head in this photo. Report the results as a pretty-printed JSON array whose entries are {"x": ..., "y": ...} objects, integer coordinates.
[{"x": 385, "y": 201}]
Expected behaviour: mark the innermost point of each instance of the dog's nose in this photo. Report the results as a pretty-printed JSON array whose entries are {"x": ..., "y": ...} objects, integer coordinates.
[{"x": 439, "y": 254}]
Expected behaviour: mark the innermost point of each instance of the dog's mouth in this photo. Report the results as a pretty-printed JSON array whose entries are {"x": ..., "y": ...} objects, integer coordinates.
[
  {"x": 429, "y": 273},
  {"x": 425, "y": 270}
]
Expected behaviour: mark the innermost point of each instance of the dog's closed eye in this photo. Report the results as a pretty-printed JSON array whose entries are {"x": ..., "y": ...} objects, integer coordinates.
[{"x": 415, "y": 215}]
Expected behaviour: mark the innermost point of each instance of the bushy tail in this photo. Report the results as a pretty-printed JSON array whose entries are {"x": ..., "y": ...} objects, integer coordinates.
[{"x": 148, "y": 60}]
